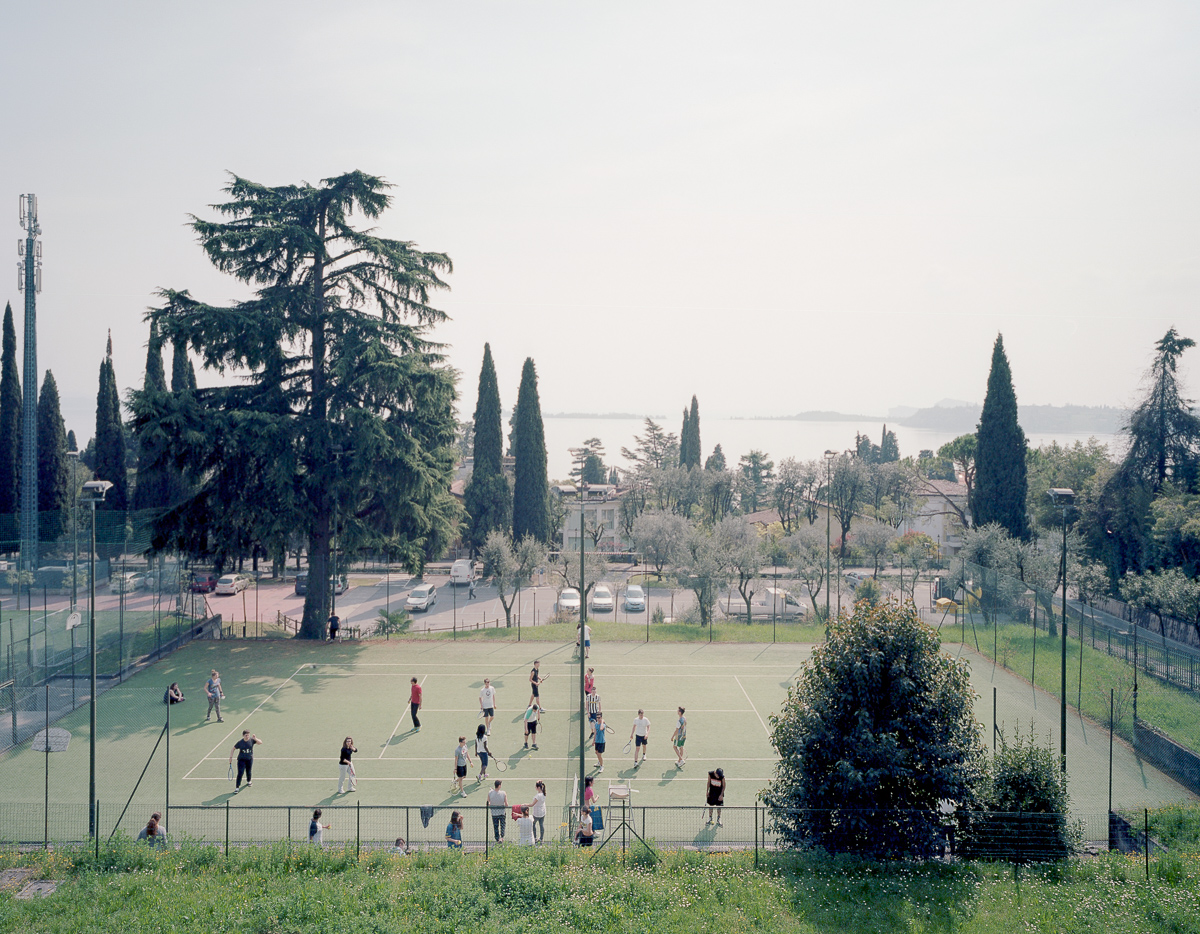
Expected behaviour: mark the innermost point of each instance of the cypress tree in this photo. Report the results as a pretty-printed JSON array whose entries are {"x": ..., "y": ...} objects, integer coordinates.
[
  {"x": 689, "y": 437},
  {"x": 183, "y": 374},
  {"x": 487, "y": 497},
  {"x": 10, "y": 422},
  {"x": 153, "y": 487},
  {"x": 1000, "y": 482},
  {"x": 54, "y": 474},
  {"x": 72, "y": 444},
  {"x": 531, "y": 489},
  {"x": 110, "y": 437}
]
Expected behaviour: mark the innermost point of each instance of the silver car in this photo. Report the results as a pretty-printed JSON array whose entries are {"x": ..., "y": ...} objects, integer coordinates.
[
  {"x": 422, "y": 597},
  {"x": 635, "y": 599}
]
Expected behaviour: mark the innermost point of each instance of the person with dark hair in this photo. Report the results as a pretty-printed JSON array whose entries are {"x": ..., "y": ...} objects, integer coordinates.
[
  {"x": 537, "y": 811},
  {"x": 462, "y": 758},
  {"x": 482, "y": 751},
  {"x": 414, "y": 704},
  {"x": 154, "y": 833},
  {"x": 715, "y": 796},
  {"x": 346, "y": 765},
  {"x": 454, "y": 831},
  {"x": 498, "y": 804},
  {"x": 335, "y": 624},
  {"x": 584, "y": 833},
  {"x": 244, "y": 750},
  {"x": 174, "y": 694},
  {"x": 316, "y": 829},
  {"x": 678, "y": 738}
]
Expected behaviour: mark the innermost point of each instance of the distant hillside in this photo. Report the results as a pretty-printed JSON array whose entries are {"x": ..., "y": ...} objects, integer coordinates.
[
  {"x": 1039, "y": 419},
  {"x": 824, "y": 417},
  {"x": 625, "y": 415}
]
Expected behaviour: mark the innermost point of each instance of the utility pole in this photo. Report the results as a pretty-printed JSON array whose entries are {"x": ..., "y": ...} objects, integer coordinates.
[{"x": 29, "y": 280}]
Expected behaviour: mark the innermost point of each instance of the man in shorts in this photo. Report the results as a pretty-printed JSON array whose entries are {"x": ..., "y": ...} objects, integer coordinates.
[
  {"x": 678, "y": 738},
  {"x": 640, "y": 734},
  {"x": 535, "y": 681},
  {"x": 532, "y": 716},
  {"x": 414, "y": 704},
  {"x": 487, "y": 703},
  {"x": 462, "y": 758},
  {"x": 601, "y": 739},
  {"x": 587, "y": 640}
]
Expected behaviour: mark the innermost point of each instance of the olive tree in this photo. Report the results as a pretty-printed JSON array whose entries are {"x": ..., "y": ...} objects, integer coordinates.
[{"x": 510, "y": 566}]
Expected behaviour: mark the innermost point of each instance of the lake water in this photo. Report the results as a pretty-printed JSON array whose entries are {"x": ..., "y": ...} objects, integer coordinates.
[{"x": 780, "y": 439}]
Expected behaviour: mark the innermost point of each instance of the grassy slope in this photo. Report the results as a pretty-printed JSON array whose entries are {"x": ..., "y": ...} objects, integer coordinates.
[{"x": 303, "y": 889}]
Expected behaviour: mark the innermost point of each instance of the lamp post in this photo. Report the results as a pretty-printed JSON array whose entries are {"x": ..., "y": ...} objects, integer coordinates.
[
  {"x": 74, "y": 455},
  {"x": 1061, "y": 496},
  {"x": 829, "y": 456},
  {"x": 95, "y": 490}
]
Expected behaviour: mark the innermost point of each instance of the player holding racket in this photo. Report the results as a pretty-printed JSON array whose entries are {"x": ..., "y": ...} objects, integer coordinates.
[
  {"x": 346, "y": 766},
  {"x": 640, "y": 736}
]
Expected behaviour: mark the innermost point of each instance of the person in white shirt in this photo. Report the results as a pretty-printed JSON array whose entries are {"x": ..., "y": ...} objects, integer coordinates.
[
  {"x": 487, "y": 703},
  {"x": 538, "y": 811},
  {"x": 525, "y": 828},
  {"x": 498, "y": 804},
  {"x": 640, "y": 734}
]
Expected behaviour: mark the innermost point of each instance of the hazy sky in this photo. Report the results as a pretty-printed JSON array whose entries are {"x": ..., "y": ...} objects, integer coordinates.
[{"x": 777, "y": 206}]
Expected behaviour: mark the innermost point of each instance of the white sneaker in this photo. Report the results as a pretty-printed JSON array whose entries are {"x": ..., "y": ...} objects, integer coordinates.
[
  {"x": 462, "y": 794},
  {"x": 601, "y": 769}
]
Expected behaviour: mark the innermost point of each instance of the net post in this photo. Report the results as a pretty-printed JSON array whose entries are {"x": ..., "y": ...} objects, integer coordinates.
[{"x": 226, "y": 828}]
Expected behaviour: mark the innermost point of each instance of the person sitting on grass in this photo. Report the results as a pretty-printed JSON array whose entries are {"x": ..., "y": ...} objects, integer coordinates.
[
  {"x": 400, "y": 848},
  {"x": 583, "y": 836},
  {"x": 174, "y": 695}
]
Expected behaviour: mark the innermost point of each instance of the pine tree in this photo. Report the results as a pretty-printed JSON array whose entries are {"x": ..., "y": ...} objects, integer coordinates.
[
  {"x": 72, "y": 444},
  {"x": 689, "y": 437},
  {"x": 54, "y": 473},
  {"x": 153, "y": 487},
  {"x": 487, "y": 497},
  {"x": 1000, "y": 482},
  {"x": 531, "y": 489},
  {"x": 110, "y": 437},
  {"x": 10, "y": 421}
]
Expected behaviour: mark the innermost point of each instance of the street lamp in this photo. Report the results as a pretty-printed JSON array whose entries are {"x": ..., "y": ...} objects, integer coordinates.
[
  {"x": 74, "y": 455},
  {"x": 95, "y": 491},
  {"x": 1061, "y": 496},
  {"x": 829, "y": 456}
]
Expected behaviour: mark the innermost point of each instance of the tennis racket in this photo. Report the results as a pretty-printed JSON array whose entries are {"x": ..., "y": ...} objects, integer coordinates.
[
  {"x": 628, "y": 747},
  {"x": 481, "y": 714},
  {"x": 230, "y": 771},
  {"x": 501, "y": 765}
]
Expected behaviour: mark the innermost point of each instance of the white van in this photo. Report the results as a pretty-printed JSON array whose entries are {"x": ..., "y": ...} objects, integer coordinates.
[
  {"x": 462, "y": 572},
  {"x": 769, "y": 602}
]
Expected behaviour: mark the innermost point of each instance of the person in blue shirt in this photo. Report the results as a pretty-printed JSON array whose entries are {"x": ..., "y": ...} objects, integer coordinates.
[
  {"x": 454, "y": 831},
  {"x": 601, "y": 739}
]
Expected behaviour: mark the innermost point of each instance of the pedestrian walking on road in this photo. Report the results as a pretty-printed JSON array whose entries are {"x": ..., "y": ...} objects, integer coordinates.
[
  {"x": 212, "y": 688},
  {"x": 471, "y": 590}
]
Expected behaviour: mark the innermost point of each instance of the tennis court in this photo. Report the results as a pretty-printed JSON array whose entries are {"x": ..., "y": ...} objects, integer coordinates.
[{"x": 303, "y": 699}]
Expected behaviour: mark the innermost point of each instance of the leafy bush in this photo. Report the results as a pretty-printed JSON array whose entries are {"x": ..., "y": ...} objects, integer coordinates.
[
  {"x": 879, "y": 728},
  {"x": 658, "y": 616},
  {"x": 869, "y": 590},
  {"x": 394, "y": 623}
]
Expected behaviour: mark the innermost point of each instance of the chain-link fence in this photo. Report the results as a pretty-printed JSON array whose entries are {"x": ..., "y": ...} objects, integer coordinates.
[{"x": 937, "y": 834}]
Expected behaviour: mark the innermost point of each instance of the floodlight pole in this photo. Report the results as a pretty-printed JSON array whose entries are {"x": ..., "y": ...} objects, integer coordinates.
[
  {"x": 30, "y": 280},
  {"x": 582, "y": 638},
  {"x": 97, "y": 496},
  {"x": 1063, "y": 497},
  {"x": 829, "y": 455}
]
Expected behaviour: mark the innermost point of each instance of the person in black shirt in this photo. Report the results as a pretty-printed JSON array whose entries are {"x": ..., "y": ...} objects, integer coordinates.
[
  {"x": 244, "y": 750},
  {"x": 334, "y": 625},
  {"x": 346, "y": 766}
]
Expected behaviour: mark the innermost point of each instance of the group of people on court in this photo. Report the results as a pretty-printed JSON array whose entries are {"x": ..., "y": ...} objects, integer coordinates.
[{"x": 600, "y": 731}]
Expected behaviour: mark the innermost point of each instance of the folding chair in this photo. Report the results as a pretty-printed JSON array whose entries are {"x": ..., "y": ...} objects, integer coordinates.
[{"x": 621, "y": 791}]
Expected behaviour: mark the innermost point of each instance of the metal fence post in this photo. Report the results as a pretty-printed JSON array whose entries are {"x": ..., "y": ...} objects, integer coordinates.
[
  {"x": 357, "y": 829},
  {"x": 1146, "y": 826},
  {"x": 96, "y": 814},
  {"x": 756, "y": 835},
  {"x": 227, "y": 827},
  {"x": 486, "y": 812}
]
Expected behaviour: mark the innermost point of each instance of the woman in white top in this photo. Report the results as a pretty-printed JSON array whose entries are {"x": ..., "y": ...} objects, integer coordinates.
[
  {"x": 525, "y": 828},
  {"x": 538, "y": 811}
]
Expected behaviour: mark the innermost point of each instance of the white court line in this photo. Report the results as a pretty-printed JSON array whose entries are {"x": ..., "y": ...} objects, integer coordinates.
[
  {"x": 420, "y": 683},
  {"x": 440, "y": 778},
  {"x": 243, "y": 720},
  {"x": 752, "y": 707}
]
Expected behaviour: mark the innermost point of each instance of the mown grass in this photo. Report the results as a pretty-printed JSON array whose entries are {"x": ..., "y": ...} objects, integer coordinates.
[
  {"x": 298, "y": 889},
  {"x": 1174, "y": 711}
]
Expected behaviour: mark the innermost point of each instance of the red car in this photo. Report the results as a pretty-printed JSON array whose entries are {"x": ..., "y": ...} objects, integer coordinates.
[{"x": 203, "y": 582}]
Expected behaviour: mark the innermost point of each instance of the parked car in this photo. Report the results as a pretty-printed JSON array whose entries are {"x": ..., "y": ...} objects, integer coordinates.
[
  {"x": 635, "y": 599},
  {"x": 203, "y": 582},
  {"x": 128, "y": 582},
  {"x": 462, "y": 572},
  {"x": 602, "y": 599},
  {"x": 422, "y": 597},
  {"x": 232, "y": 584},
  {"x": 568, "y": 601},
  {"x": 854, "y": 578}
]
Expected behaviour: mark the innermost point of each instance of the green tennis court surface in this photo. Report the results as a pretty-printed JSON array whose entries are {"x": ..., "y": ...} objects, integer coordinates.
[{"x": 302, "y": 700}]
